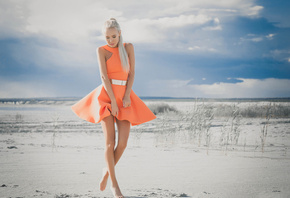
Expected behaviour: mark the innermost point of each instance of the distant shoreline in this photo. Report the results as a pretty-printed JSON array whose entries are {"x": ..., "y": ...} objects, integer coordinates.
[{"x": 147, "y": 98}]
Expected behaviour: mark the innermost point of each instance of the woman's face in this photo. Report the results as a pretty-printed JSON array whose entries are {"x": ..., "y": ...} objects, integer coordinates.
[{"x": 112, "y": 36}]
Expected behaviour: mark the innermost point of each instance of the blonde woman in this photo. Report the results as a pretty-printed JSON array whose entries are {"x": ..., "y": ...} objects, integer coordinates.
[{"x": 114, "y": 100}]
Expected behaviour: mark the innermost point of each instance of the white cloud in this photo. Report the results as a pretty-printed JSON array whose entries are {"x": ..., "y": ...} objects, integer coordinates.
[
  {"x": 75, "y": 28},
  {"x": 81, "y": 21},
  {"x": 13, "y": 18},
  {"x": 254, "y": 11},
  {"x": 202, "y": 49},
  {"x": 270, "y": 87},
  {"x": 175, "y": 88},
  {"x": 270, "y": 36},
  {"x": 180, "y": 21},
  {"x": 256, "y": 38},
  {"x": 218, "y": 27},
  {"x": 68, "y": 21},
  {"x": 194, "y": 48},
  {"x": 146, "y": 30},
  {"x": 281, "y": 55},
  {"x": 76, "y": 25},
  {"x": 251, "y": 88},
  {"x": 211, "y": 7},
  {"x": 25, "y": 89}
]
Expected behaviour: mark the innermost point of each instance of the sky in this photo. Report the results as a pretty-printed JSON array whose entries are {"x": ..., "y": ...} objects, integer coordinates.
[{"x": 201, "y": 48}]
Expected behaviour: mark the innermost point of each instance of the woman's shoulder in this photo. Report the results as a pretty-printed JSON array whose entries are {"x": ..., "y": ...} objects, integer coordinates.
[
  {"x": 128, "y": 44},
  {"x": 100, "y": 49},
  {"x": 129, "y": 47}
]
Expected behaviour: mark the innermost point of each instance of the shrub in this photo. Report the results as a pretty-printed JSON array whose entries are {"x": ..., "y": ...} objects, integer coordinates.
[{"x": 158, "y": 108}]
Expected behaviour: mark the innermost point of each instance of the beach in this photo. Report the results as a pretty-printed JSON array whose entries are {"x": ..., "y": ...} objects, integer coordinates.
[{"x": 47, "y": 151}]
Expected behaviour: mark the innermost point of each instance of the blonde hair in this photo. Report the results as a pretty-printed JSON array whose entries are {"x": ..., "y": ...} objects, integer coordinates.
[{"x": 112, "y": 23}]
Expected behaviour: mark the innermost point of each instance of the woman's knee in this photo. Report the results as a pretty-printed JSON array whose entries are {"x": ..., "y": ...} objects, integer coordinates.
[
  {"x": 122, "y": 144},
  {"x": 110, "y": 145}
]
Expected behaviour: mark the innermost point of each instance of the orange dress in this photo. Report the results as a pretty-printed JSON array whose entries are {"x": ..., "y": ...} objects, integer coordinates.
[{"x": 97, "y": 105}]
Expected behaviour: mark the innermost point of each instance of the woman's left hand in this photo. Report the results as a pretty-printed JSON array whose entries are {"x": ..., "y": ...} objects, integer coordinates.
[{"x": 126, "y": 102}]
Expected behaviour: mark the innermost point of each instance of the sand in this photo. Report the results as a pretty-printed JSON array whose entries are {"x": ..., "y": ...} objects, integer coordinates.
[{"x": 46, "y": 151}]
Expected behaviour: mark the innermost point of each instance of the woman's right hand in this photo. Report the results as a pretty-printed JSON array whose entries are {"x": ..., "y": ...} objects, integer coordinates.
[{"x": 115, "y": 109}]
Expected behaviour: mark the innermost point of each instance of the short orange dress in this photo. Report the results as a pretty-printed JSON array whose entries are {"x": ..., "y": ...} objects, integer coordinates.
[{"x": 96, "y": 105}]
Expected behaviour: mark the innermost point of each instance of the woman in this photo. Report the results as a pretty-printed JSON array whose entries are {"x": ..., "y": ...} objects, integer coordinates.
[{"x": 114, "y": 100}]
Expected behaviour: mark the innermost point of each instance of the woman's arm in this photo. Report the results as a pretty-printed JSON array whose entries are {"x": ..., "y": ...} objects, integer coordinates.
[
  {"x": 106, "y": 81},
  {"x": 131, "y": 56}
]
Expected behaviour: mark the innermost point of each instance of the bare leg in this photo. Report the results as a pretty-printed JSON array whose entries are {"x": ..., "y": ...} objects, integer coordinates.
[
  {"x": 123, "y": 130},
  {"x": 109, "y": 133}
]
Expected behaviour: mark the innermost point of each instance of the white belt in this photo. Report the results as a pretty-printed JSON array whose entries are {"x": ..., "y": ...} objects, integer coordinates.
[{"x": 118, "y": 82}]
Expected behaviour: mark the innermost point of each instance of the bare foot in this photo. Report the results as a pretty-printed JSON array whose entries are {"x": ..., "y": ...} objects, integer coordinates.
[
  {"x": 117, "y": 192},
  {"x": 103, "y": 182}
]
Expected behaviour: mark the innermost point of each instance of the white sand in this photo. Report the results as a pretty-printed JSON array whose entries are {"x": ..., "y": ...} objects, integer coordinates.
[{"x": 153, "y": 165}]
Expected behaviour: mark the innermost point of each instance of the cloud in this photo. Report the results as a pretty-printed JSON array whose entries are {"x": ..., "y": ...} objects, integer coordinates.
[
  {"x": 175, "y": 39},
  {"x": 203, "y": 48},
  {"x": 244, "y": 88},
  {"x": 254, "y": 11},
  {"x": 241, "y": 88},
  {"x": 26, "y": 89},
  {"x": 270, "y": 36},
  {"x": 68, "y": 21},
  {"x": 79, "y": 24},
  {"x": 256, "y": 38},
  {"x": 13, "y": 18},
  {"x": 277, "y": 12},
  {"x": 81, "y": 21},
  {"x": 148, "y": 30},
  {"x": 180, "y": 21},
  {"x": 212, "y": 7},
  {"x": 281, "y": 55},
  {"x": 252, "y": 88}
]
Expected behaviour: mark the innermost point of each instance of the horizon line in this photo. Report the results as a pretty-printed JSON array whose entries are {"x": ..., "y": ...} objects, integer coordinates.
[{"x": 149, "y": 98}]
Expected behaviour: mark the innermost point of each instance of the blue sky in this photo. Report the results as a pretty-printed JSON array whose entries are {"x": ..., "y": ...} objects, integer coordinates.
[{"x": 202, "y": 48}]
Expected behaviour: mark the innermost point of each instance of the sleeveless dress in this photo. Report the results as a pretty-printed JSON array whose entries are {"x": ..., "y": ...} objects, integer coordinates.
[{"x": 96, "y": 105}]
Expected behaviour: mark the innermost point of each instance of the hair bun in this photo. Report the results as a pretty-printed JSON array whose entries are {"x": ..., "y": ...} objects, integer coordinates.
[{"x": 113, "y": 19}]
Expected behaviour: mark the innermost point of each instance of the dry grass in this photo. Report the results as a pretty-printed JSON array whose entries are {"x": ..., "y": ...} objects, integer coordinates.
[
  {"x": 202, "y": 124},
  {"x": 264, "y": 128},
  {"x": 230, "y": 131},
  {"x": 158, "y": 108},
  {"x": 253, "y": 110},
  {"x": 196, "y": 123}
]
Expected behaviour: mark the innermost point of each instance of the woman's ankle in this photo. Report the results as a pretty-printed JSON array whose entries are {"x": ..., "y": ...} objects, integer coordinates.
[{"x": 115, "y": 185}]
